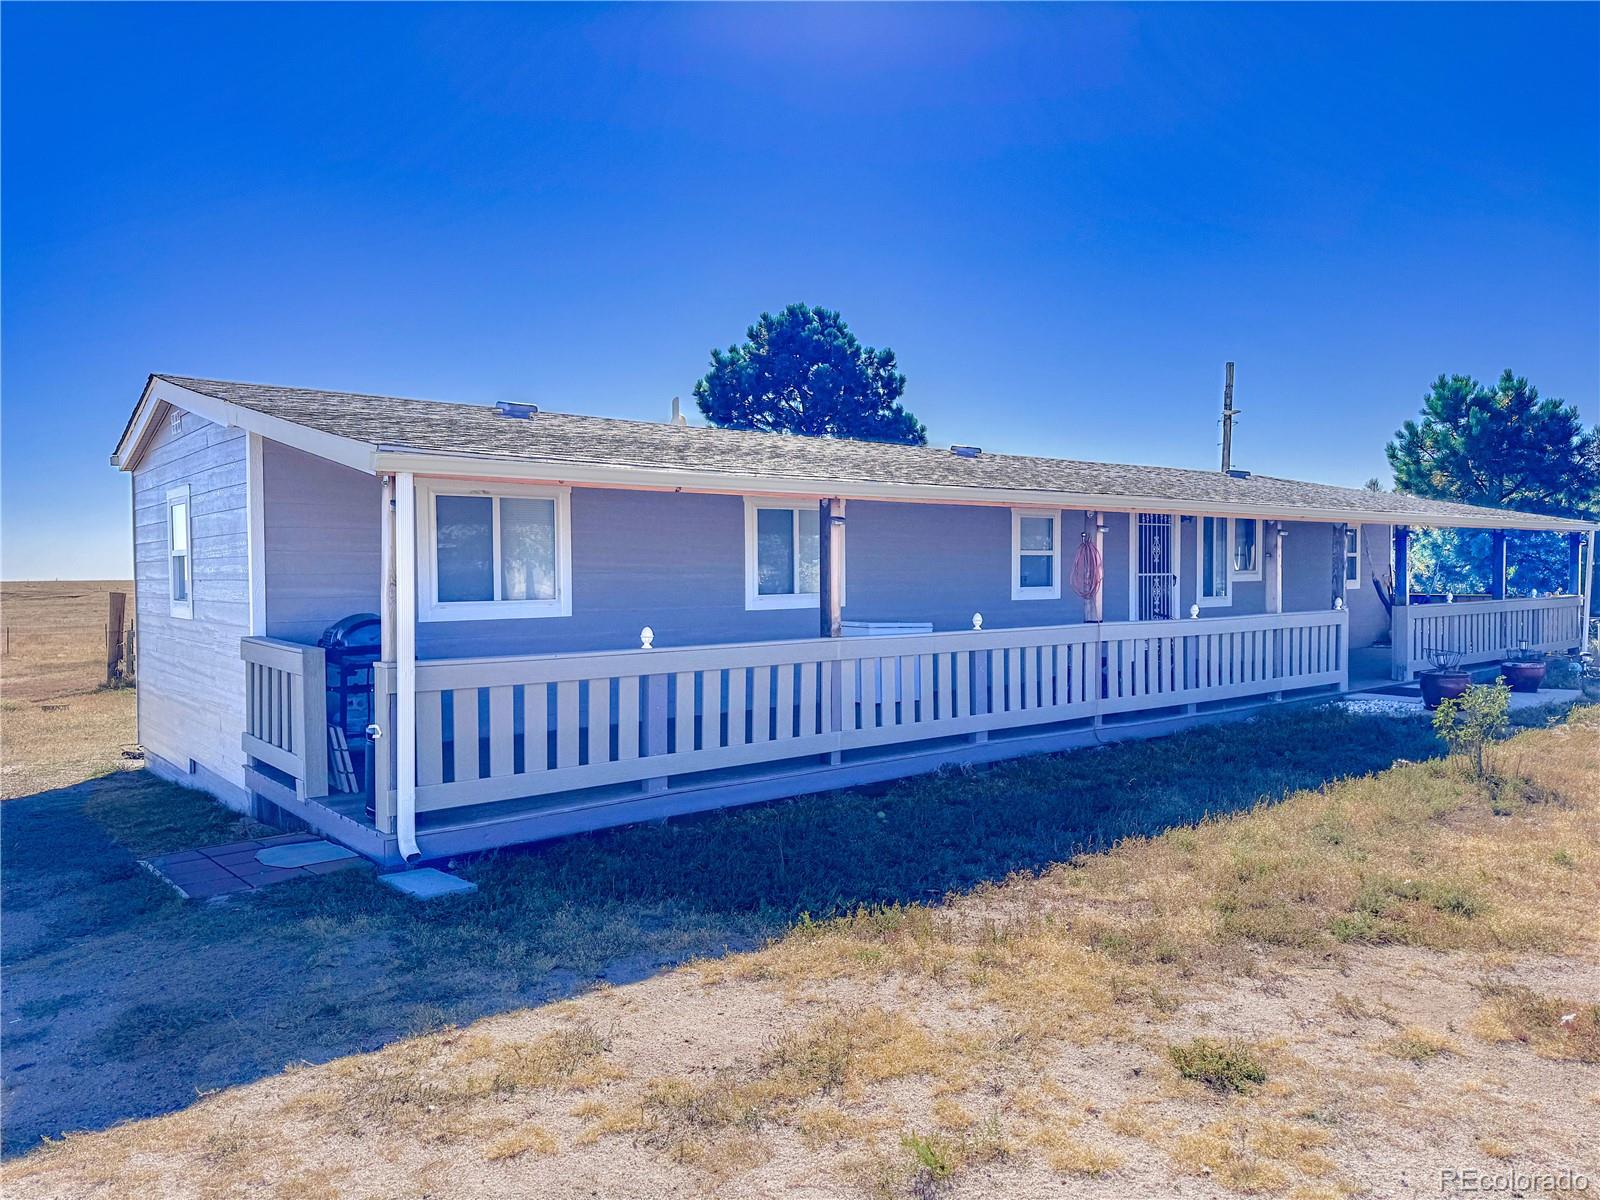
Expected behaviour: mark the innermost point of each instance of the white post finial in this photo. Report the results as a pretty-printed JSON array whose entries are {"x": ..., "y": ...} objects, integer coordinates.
[
  {"x": 1194, "y": 612},
  {"x": 977, "y": 620},
  {"x": 1338, "y": 604},
  {"x": 647, "y": 637}
]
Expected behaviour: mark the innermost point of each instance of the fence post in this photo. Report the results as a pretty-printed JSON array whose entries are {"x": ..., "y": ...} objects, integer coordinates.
[{"x": 116, "y": 611}]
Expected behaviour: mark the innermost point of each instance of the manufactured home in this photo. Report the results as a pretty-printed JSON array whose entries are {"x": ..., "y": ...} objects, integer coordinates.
[{"x": 426, "y": 628}]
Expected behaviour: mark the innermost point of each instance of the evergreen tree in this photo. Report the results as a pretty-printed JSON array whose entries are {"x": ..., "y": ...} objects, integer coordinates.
[{"x": 803, "y": 371}]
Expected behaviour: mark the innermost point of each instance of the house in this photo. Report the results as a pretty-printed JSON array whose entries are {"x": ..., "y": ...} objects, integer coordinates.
[{"x": 586, "y": 622}]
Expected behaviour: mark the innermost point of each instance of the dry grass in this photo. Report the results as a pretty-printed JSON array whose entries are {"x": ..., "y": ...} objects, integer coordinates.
[
  {"x": 56, "y": 726},
  {"x": 1059, "y": 1025},
  {"x": 57, "y": 636},
  {"x": 1552, "y": 1026}
]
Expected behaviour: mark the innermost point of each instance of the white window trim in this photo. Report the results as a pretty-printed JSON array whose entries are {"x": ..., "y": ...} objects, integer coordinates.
[
  {"x": 1200, "y": 598},
  {"x": 429, "y": 606},
  {"x": 1018, "y": 592},
  {"x": 1233, "y": 526},
  {"x": 1352, "y": 585},
  {"x": 175, "y": 496},
  {"x": 754, "y": 600}
]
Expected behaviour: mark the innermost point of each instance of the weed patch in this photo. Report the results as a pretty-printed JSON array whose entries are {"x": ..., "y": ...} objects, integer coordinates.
[{"x": 1221, "y": 1066}]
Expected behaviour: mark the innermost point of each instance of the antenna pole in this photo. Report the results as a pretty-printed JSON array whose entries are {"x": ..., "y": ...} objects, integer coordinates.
[{"x": 1227, "y": 418}]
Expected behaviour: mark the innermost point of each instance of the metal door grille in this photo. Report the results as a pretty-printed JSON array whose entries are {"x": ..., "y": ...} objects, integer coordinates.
[{"x": 1155, "y": 576}]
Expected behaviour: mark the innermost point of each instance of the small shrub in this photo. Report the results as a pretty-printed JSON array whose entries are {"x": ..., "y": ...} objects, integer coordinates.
[
  {"x": 1221, "y": 1066},
  {"x": 1469, "y": 722},
  {"x": 1417, "y": 1045}
]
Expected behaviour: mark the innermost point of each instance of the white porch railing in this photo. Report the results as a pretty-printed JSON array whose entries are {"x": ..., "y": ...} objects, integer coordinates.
[
  {"x": 1484, "y": 630},
  {"x": 493, "y": 729},
  {"x": 285, "y": 718}
]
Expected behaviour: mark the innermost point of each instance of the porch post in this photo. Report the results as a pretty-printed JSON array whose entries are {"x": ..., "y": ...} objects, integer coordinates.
[
  {"x": 405, "y": 735},
  {"x": 1497, "y": 564},
  {"x": 1588, "y": 589},
  {"x": 386, "y": 569},
  {"x": 1280, "y": 538},
  {"x": 1400, "y": 611},
  {"x": 1338, "y": 564},
  {"x": 1094, "y": 604},
  {"x": 1402, "y": 564},
  {"x": 1575, "y": 563},
  {"x": 831, "y": 567}
]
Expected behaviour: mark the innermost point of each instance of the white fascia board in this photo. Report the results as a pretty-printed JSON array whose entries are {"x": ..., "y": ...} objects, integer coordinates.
[
  {"x": 390, "y": 459},
  {"x": 160, "y": 394}
]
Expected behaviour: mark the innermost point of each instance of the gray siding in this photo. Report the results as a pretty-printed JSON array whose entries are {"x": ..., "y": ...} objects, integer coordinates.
[
  {"x": 675, "y": 562},
  {"x": 672, "y": 561},
  {"x": 944, "y": 562},
  {"x": 191, "y": 679},
  {"x": 322, "y": 542}
]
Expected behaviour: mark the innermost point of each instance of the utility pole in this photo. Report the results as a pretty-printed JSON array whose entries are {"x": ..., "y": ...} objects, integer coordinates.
[{"x": 1228, "y": 413}]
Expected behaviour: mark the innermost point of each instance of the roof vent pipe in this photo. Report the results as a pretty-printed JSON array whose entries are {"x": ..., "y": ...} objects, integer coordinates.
[
  {"x": 966, "y": 451},
  {"x": 677, "y": 413},
  {"x": 516, "y": 409}
]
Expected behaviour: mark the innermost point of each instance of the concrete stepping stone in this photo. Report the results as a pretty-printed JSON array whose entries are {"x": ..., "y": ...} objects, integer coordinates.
[
  {"x": 302, "y": 854},
  {"x": 428, "y": 883}
]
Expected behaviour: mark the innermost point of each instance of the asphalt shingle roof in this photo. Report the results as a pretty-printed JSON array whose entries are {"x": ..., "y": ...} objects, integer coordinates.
[{"x": 391, "y": 422}]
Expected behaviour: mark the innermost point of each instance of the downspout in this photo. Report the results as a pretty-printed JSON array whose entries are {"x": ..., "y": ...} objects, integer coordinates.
[{"x": 405, "y": 657}]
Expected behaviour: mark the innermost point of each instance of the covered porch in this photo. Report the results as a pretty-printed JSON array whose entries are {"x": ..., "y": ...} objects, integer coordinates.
[
  {"x": 474, "y": 751},
  {"x": 1490, "y": 626}
]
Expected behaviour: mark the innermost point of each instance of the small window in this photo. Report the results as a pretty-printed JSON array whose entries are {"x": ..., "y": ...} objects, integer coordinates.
[
  {"x": 1352, "y": 557},
  {"x": 493, "y": 553},
  {"x": 1246, "y": 549},
  {"x": 180, "y": 557},
  {"x": 1035, "y": 555},
  {"x": 782, "y": 554},
  {"x": 1213, "y": 563}
]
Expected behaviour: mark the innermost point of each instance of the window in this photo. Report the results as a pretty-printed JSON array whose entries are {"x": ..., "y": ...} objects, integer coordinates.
[
  {"x": 1246, "y": 549},
  {"x": 485, "y": 553},
  {"x": 1035, "y": 555},
  {"x": 782, "y": 554},
  {"x": 1212, "y": 563},
  {"x": 1352, "y": 557},
  {"x": 180, "y": 564}
]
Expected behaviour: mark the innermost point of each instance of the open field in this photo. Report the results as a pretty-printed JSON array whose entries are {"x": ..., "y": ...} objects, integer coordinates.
[
  {"x": 57, "y": 726},
  {"x": 1388, "y": 969},
  {"x": 55, "y": 631}
]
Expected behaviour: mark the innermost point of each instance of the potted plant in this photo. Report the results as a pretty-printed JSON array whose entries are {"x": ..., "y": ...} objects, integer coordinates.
[
  {"x": 1446, "y": 680},
  {"x": 1524, "y": 671}
]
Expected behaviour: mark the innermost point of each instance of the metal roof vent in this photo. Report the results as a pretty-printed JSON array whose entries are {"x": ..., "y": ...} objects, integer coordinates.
[
  {"x": 516, "y": 409},
  {"x": 966, "y": 451},
  {"x": 1236, "y": 473}
]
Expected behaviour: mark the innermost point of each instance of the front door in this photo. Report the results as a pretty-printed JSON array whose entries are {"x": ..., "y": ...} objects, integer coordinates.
[{"x": 1156, "y": 579}]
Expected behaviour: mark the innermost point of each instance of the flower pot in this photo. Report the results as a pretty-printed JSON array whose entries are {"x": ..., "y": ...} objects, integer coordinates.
[
  {"x": 1523, "y": 676},
  {"x": 1442, "y": 685}
]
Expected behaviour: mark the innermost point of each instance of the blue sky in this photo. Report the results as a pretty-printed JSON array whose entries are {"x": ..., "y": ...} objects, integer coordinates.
[{"x": 1063, "y": 219}]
